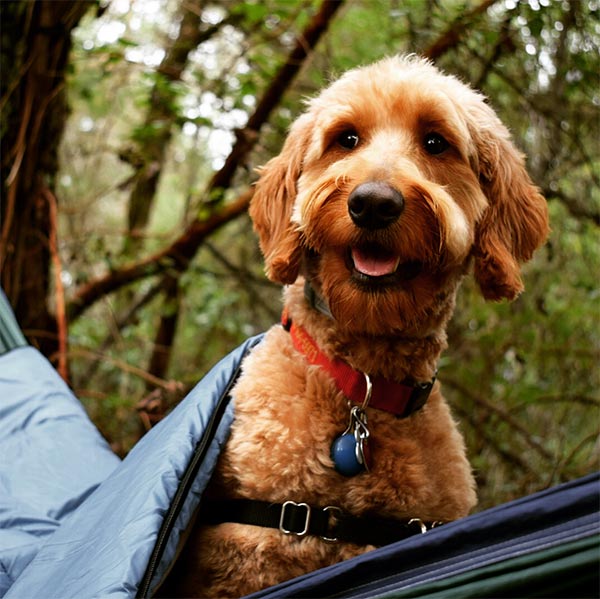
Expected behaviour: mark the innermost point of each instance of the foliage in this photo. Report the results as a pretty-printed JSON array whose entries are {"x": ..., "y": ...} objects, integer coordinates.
[{"x": 522, "y": 377}]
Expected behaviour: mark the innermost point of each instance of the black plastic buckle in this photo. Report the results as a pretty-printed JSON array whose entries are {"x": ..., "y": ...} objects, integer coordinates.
[{"x": 419, "y": 397}]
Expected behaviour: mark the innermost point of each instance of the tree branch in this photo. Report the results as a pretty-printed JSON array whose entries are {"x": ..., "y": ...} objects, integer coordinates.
[
  {"x": 179, "y": 254},
  {"x": 167, "y": 328},
  {"x": 246, "y": 139},
  {"x": 176, "y": 256},
  {"x": 147, "y": 156},
  {"x": 511, "y": 457},
  {"x": 454, "y": 33},
  {"x": 59, "y": 291},
  {"x": 575, "y": 206},
  {"x": 120, "y": 322},
  {"x": 503, "y": 414},
  {"x": 121, "y": 365}
]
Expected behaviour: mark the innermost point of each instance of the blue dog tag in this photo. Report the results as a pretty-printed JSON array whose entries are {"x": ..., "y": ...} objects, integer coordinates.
[
  {"x": 343, "y": 454},
  {"x": 349, "y": 450}
]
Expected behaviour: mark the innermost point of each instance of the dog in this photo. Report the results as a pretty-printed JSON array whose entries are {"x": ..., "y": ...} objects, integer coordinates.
[{"x": 396, "y": 182}]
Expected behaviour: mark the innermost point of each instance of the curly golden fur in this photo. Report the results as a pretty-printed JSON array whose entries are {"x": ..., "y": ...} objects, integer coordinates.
[{"x": 465, "y": 201}]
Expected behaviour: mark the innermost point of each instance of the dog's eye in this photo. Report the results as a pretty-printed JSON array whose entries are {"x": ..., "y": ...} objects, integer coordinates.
[
  {"x": 435, "y": 143},
  {"x": 348, "y": 139}
]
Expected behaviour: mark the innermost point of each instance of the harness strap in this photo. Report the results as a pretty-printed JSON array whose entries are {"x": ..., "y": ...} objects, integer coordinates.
[{"x": 300, "y": 519}]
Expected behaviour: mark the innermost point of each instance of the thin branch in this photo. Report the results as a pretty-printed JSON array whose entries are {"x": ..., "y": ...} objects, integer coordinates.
[
  {"x": 247, "y": 279},
  {"x": 247, "y": 138},
  {"x": 124, "y": 366},
  {"x": 566, "y": 398},
  {"x": 575, "y": 207},
  {"x": 504, "y": 39},
  {"x": 120, "y": 322},
  {"x": 455, "y": 31},
  {"x": 61, "y": 317},
  {"x": 508, "y": 456},
  {"x": 11, "y": 195},
  {"x": 176, "y": 256},
  {"x": 590, "y": 439},
  {"x": 503, "y": 414},
  {"x": 147, "y": 157}
]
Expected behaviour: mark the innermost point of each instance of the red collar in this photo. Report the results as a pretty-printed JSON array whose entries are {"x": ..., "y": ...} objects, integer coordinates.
[{"x": 400, "y": 399}]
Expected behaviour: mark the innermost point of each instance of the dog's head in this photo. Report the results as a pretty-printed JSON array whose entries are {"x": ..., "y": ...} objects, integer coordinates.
[{"x": 387, "y": 187}]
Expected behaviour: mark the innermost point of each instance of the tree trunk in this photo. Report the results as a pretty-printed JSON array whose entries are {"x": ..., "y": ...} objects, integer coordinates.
[
  {"x": 165, "y": 334},
  {"x": 36, "y": 39},
  {"x": 153, "y": 137}
]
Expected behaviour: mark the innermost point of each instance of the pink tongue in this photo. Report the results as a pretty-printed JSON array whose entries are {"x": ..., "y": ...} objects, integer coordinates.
[{"x": 374, "y": 265}]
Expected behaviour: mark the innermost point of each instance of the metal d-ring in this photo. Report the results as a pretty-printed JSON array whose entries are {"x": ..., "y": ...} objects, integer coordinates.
[
  {"x": 358, "y": 422},
  {"x": 419, "y": 523},
  {"x": 368, "y": 392}
]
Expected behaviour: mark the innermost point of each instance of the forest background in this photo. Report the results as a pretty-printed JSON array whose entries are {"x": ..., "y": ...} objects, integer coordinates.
[{"x": 131, "y": 131}]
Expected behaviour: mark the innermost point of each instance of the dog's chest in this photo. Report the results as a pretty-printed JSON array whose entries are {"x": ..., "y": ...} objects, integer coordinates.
[
  {"x": 285, "y": 420},
  {"x": 287, "y": 415}
]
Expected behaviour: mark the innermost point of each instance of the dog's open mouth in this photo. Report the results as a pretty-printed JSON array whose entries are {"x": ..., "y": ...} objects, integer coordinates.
[{"x": 374, "y": 264}]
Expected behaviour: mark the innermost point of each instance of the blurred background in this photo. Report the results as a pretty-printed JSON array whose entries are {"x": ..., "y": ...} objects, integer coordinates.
[{"x": 131, "y": 131}]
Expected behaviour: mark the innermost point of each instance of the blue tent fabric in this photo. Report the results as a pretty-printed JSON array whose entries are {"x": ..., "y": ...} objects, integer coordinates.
[
  {"x": 107, "y": 543},
  {"x": 51, "y": 458}
]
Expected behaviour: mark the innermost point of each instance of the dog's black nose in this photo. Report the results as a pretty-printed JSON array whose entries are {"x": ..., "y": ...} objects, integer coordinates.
[{"x": 375, "y": 205}]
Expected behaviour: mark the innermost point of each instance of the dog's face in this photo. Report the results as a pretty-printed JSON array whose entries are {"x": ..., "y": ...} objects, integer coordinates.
[{"x": 387, "y": 187}]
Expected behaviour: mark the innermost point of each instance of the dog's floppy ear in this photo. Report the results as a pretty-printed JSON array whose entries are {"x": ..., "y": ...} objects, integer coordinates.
[
  {"x": 273, "y": 201},
  {"x": 515, "y": 222}
]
